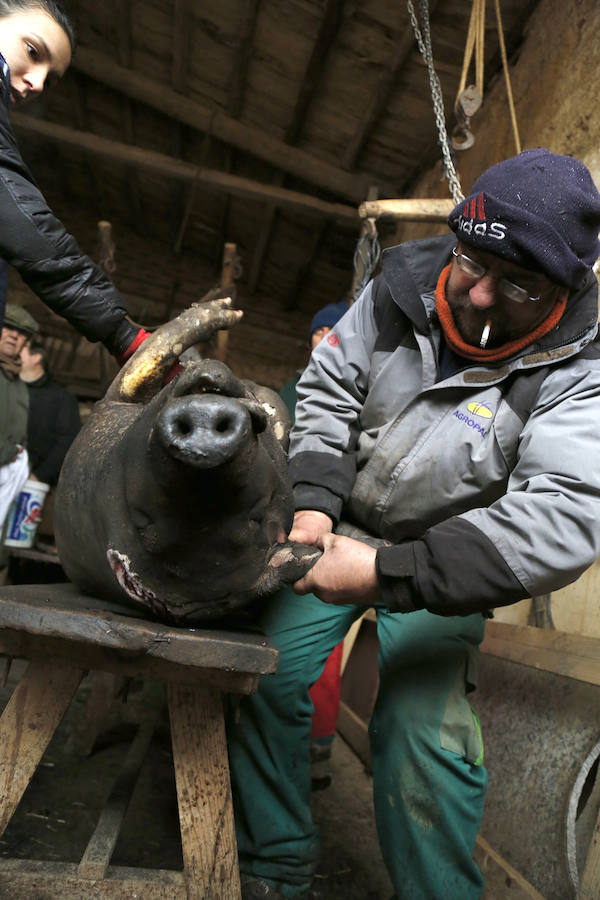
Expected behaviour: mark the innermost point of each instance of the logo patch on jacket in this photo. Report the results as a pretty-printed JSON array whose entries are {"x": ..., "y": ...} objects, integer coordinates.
[
  {"x": 473, "y": 220},
  {"x": 475, "y": 410},
  {"x": 480, "y": 409},
  {"x": 332, "y": 339}
]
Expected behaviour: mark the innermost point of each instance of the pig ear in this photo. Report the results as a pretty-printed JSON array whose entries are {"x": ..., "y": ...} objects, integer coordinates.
[
  {"x": 276, "y": 410},
  {"x": 143, "y": 375}
]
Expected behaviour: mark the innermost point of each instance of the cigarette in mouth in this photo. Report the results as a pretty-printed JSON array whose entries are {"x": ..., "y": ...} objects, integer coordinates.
[{"x": 485, "y": 334}]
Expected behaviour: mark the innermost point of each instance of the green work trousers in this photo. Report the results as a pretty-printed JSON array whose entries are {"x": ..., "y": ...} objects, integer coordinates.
[{"x": 428, "y": 781}]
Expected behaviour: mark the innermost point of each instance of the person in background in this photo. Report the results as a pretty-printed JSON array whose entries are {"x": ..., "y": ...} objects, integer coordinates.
[
  {"x": 325, "y": 692},
  {"x": 36, "y": 45},
  {"x": 53, "y": 421},
  {"x": 444, "y": 459},
  {"x": 18, "y": 328}
]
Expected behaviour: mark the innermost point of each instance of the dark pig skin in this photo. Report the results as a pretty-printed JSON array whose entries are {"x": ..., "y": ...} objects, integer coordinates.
[{"x": 176, "y": 499}]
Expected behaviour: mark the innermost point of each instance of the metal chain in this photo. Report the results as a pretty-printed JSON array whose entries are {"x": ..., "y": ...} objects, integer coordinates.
[
  {"x": 424, "y": 44},
  {"x": 366, "y": 257}
]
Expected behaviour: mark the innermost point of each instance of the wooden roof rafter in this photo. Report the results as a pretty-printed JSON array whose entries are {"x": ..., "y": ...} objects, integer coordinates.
[
  {"x": 255, "y": 141},
  {"x": 178, "y": 169},
  {"x": 239, "y": 75},
  {"x": 381, "y": 95},
  {"x": 235, "y": 106},
  {"x": 312, "y": 75},
  {"x": 122, "y": 14}
]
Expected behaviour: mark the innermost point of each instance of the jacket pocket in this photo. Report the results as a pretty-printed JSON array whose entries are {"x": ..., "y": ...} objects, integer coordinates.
[{"x": 460, "y": 731}]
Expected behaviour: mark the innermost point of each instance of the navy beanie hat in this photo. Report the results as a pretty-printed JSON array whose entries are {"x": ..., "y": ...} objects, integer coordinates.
[
  {"x": 329, "y": 315},
  {"x": 538, "y": 210}
]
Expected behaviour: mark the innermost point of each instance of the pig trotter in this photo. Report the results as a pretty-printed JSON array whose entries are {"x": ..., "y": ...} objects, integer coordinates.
[{"x": 287, "y": 564}]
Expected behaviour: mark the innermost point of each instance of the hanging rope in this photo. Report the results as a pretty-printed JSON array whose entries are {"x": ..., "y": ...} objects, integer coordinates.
[
  {"x": 366, "y": 257},
  {"x": 511, "y": 104},
  {"x": 423, "y": 37},
  {"x": 469, "y": 99}
]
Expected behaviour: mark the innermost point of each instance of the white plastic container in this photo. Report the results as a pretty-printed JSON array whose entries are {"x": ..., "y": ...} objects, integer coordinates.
[{"x": 25, "y": 514}]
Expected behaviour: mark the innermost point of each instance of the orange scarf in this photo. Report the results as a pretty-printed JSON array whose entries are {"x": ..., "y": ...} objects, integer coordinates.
[{"x": 456, "y": 343}]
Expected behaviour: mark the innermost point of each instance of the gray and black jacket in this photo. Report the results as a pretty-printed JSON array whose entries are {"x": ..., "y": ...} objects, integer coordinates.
[{"x": 487, "y": 482}]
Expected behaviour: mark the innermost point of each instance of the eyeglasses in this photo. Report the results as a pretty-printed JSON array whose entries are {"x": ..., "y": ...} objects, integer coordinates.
[{"x": 507, "y": 288}]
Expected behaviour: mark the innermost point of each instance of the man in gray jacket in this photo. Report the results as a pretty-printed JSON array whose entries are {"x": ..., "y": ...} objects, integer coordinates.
[{"x": 444, "y": 459}]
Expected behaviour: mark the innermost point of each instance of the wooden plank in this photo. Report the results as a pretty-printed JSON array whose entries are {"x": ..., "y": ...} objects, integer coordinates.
[
  {"x": 572, "y": 655},
  {"x": 96, "y": 858},
  {"x": 35, "y": 878},
  {"x": 228, "y": 129},
  {"x": 161, "y": 163},
  {"x": 58, "y": 651},
  {"x": 502, "y": 882},
  {"x": 203, "y": 793},
  {"x": 93, "y": 714},
  {"x": 356, "y": 734},
  {"x": 60, "y": 611},
  {"x": 28, "y": 722}
]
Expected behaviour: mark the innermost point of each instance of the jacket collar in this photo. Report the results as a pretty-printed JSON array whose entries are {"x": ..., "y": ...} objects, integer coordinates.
[{"x": 412, "y": 269}]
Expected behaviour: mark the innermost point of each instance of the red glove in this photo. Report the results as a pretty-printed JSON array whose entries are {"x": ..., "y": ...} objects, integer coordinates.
[{"x": 140, "y": 337}]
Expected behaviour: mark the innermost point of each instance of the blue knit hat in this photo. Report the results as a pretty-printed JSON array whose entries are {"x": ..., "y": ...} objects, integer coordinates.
[
  {"x": 538, "y": 210},
  {"x": 329, "y": 315}
]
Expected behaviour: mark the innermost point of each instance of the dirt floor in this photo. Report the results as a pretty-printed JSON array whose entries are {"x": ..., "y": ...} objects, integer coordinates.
[{"x": 59, "y": 810}]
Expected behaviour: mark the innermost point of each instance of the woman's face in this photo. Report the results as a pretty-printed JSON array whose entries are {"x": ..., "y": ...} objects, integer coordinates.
[{"x": 36, "y": 48}]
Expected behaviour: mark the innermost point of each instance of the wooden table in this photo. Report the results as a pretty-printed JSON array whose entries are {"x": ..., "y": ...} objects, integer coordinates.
[{"x": 65, "y": 634}]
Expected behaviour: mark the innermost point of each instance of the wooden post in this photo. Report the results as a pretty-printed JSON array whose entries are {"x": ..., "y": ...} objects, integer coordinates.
[
  {"x": 203, "y": 792},
  {"x": 227, "y": 277}
]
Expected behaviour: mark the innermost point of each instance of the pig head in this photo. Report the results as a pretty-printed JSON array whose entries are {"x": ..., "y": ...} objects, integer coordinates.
[{"x": 176, "y": 498}]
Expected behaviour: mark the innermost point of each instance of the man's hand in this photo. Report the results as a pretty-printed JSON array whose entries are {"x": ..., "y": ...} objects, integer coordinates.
[
  {"x": 309, "y": 525},
  {"x": 344, "y": 574}
]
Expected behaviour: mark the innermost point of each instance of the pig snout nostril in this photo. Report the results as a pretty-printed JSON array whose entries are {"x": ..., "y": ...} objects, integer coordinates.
[
  {"x": 223, "y": 424},
  {"x": 182, "y": 426}
]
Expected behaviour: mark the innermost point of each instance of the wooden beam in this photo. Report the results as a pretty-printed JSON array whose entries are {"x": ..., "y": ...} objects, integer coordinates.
[
  {"x": 327, "y": 33},
  {"x": 264, "y": 237},
  {"x": 251, "y": 140},
  {"x": 43, "y": 878},
  {"x": 239, "y": 75},
  {"x": 501, "y": 879},
  {"x": 572, "y": 655},
  {"x": 180, "y": 44},
  {"x": 150, "y": 160},
  {"x": 433, "y": 210},
  {"x": 382, "y": 93},
  {"x": 123, "y": 17},
  {"x": 303, "y": 272}
]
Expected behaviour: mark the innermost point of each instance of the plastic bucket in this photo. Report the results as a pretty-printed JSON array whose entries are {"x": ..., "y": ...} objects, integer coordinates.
[{"x": 25, "y": 514}]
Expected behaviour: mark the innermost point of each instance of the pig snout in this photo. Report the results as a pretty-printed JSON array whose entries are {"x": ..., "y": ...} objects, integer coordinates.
[{"x": 204, "y": 431}]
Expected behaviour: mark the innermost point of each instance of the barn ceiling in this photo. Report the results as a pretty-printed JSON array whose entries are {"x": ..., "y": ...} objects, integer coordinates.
[{"x": 258, "y": 122}]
